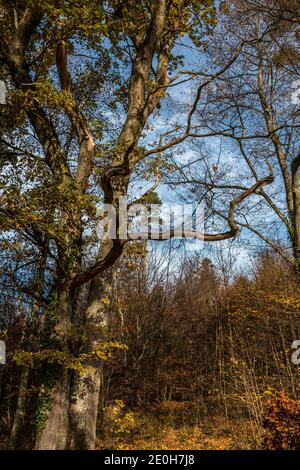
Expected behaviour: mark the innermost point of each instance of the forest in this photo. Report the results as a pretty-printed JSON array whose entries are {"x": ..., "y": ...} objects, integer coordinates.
[{"x": 150, "y": 225}]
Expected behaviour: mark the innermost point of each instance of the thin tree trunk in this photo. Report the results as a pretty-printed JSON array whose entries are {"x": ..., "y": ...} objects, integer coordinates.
[
  {"x": 32, "y": 344},
  {"x": 21, "y": 406}
]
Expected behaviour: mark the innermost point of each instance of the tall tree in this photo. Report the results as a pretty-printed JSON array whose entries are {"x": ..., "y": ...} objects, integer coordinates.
[
  {"x": 255, "y": 118},
  {"x": 84, "y": 80}
]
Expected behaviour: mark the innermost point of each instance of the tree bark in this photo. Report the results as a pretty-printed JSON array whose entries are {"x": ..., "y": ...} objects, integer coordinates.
[
  {"x": 54, "y": 435},
  {"x": 53, "y": 403},
  {"x": 85, "y": 391},
  {"x": 21, "y": 407}
]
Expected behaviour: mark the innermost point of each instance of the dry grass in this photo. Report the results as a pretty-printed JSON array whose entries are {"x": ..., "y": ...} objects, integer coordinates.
[{"x": 159, "y": 429}]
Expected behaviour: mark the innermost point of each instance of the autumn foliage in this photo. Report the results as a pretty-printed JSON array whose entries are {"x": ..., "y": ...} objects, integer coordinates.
[{"x": 282, "y": 422}]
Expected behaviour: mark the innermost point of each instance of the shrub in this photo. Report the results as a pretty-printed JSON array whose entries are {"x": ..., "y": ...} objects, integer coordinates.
[{"x": 282, "y": 423}]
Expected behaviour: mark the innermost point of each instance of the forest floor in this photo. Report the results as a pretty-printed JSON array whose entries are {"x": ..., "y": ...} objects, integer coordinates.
[{"x": 157, "y": 429}]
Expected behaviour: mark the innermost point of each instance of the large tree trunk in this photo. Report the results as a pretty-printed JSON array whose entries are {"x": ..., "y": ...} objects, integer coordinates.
[
  {"x": 54, "y": 434},
  {"x": 54, "y": 400},
  {"x": 86, "y": 388}
]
